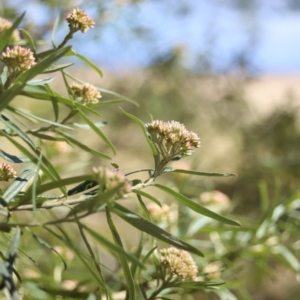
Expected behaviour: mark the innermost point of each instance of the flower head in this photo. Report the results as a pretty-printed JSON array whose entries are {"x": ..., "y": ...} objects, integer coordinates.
[
  {"x": 179, "y": 262},
  {"x": 85, "y": 93},
  {"x": 172, "y": 140},
  {"x": 18, "y": 59},
  {"x": 112, "y": 179},
  {"x": 161, "y": 214},
  {"x": 216, "y": 198},
  {"x": 212, "y": 271},
  {"x": 5, "y": 25},
  {"x": 79, "y": 20},
  {"x": 7, "y": 172}
]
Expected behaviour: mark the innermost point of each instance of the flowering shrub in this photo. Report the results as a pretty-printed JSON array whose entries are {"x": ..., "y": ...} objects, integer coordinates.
[{"x": 171, "y": 256}]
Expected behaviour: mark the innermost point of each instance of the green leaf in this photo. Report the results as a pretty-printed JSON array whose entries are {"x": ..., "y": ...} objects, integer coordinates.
[
  {"x": 142, "y": 125},
  {"x": 97, "y": 131},
  {"x": 16, "y": 186},
  {"x": 144, "y": 194},
  {"x": 210, "y": 174},
  {"x": 87, "y": 127},
  {"x": 46, "y": 245},
  {"x": 5, "y": 37},
  {"x": 3, "y": 77},
  {"x": 71, "y": 52},
  {"x": 195, "y": 285},
  {"x": 148, "y": 227},
  {"x": 17, "y": 130},
  {"x": 53, "y": 185},
  {"x": 82, "y": 146},
  {"x": 56, "y": 68},
  {"x": 196, "y": 206},
  {"x": 111, "y": 247},
  {"x": 125, "y": 267},
  {"x": 13, "y": 158},
  {"x": 29, "y": 39},
  {"x": 40, "y": 81},
  {"x": 27, "y": 115},
  {"x": 80, "y": 255},
  {"x": 86, "y": 185}
]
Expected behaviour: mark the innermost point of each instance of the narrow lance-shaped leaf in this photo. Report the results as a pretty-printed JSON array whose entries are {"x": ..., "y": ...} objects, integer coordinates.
[
  {"x": 16, "y": 186},
  {"x": 110, "y": 246},
  {"x": 148, "y": 227},
  {"x": 124, "y": 263},
  {"x": 13, "y": 158},
  {"x": 97, "y": 131},
  {"x": 142, "y": 125},
  {"x": 12, "y": 126},
  {"x": 196, "y": 206},
  {"x": 82, "y": 146},
  {"x": 198, "y": 173},
  {"x": 71, "y": 52},
  {"x": 46, "y": 245}
]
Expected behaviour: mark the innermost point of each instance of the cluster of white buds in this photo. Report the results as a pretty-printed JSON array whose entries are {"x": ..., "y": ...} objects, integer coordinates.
[
  {"x": 172, "y": 140},
  {"x": 180, "y": 263},
  {"x": 85, "y": 93},
  {"x": 79, "y": 20},
  {"x": 111, "y": 179},
  {"x": 162, "y": 214},
  {"x": 7, "y": 172},
  {"x": 18, "y": 59}
]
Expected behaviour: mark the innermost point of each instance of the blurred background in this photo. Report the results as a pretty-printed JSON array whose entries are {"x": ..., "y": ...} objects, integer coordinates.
[{"x": 228, "y": 69}]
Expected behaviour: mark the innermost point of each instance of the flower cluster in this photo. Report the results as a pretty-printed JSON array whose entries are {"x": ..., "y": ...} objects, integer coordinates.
[
  {"x": 216, "y": 198},
  {"x": 172, "y": 140},
  {"x": 212, "y": 271},
  {"x": 79, "y": 20},
  {"x": 7, "y": 172},
  {"x": 85, "y": 93},
  {"x": 179, "y": 262},
  {"x": 5, "y": 25},
  {"x": 163, "y": 213},
  {"x": 112, "y": 179},
  {"x": 18, "y": 59}
]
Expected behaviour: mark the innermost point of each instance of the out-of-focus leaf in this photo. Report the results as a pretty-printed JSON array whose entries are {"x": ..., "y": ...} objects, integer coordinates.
[
  {"x": 13, "y": 158},
  {"x": 45, "y": 93},
  {"x": 12, "y": 250},
  {"x": 194, "y": 285},
  {"x": 112, "y": 247},
  {"x": 87, "y": 127},
  {"x": 71, "y": 52},
  {"x": 17, "y": 130},
  {"x": 56, "y": 68},
  {"x": 16, "y": 186},
  {"x": 40, "y": 81},
  {"x": 3, "y": 77},
  {"x": 82, "y": 146},
  {"x": 148, "y": 227},
  {"x": 29, "y": 38},
  {"x": 46, "y": 245},
  {"x": 27, "y": 114},
  {"x": 142, "y": 125},
  {"x": 196, "y": 206},
  {"x": 80, "y": 255},
  {"x": 190, "y": 172},
  {"x": 97, "y": 131},
  {"x": 144, "y": 194},
  {"x": 131, "y": 288},
  {"x": 4, "y": 38}
]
